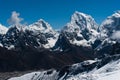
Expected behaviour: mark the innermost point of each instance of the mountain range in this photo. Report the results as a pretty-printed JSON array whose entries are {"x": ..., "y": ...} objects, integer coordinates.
[{"x": 81, "y": 50}]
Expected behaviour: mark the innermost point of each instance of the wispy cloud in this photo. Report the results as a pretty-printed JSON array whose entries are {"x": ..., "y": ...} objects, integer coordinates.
[{"x": 15, "y": 19}]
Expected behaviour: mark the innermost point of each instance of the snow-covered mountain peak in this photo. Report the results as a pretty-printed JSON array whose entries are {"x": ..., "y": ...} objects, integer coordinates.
[
  {"x": 110, "y": 25},
  {"x": 44, "y": 28},
  {"x": 83, "y": 20},
  {"x": 82, "y": 29},
  {"x": 3, "y": 29},
  {"x": 40, "y": 25}
]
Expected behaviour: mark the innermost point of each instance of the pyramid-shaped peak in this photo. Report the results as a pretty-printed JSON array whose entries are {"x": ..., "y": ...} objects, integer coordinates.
[
  {"x": 83, "y": 21},
  {"x": 41, "y": 25}
]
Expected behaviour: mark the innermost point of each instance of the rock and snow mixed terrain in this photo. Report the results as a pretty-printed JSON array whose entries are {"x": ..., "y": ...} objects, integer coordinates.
[
  {"x": 39, "y": 34},
  {"x": 82, "y": 30},
  {"x": 110, "y": 71},
  {"x": 87, "y": 70},
  {"x": 81, "y": 39}
]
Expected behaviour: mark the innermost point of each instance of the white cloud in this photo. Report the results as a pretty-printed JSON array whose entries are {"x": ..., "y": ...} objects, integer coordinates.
[
  {"x": 116, "y": 35},
  {"x": 15, "y": 19}
]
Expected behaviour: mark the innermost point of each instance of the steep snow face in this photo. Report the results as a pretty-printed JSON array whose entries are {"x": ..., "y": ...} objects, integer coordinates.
[
  {"x": 110, "y": 25},
  {"x": 3, "y": 29},
  {"x": 82, "y": 30}
]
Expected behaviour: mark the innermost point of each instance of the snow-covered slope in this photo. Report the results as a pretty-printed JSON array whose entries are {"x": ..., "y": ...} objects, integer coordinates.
[
  {"x": 110, "y": 71},
  {"x": 3, "y": 29},
  {"x": 44, "y": 75}
]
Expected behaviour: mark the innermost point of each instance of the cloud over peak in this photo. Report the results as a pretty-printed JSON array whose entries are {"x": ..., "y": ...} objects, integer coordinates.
[{"x": 15, "y": 19}]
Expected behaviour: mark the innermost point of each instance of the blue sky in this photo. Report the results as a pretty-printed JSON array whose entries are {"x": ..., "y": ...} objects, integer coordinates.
[{"x": 56, "y": 12}]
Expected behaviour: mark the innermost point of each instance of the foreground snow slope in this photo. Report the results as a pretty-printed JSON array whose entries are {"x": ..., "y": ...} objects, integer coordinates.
[
  {"x": 110, "y": 71},
  {"x": 44, "y": 75}
]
